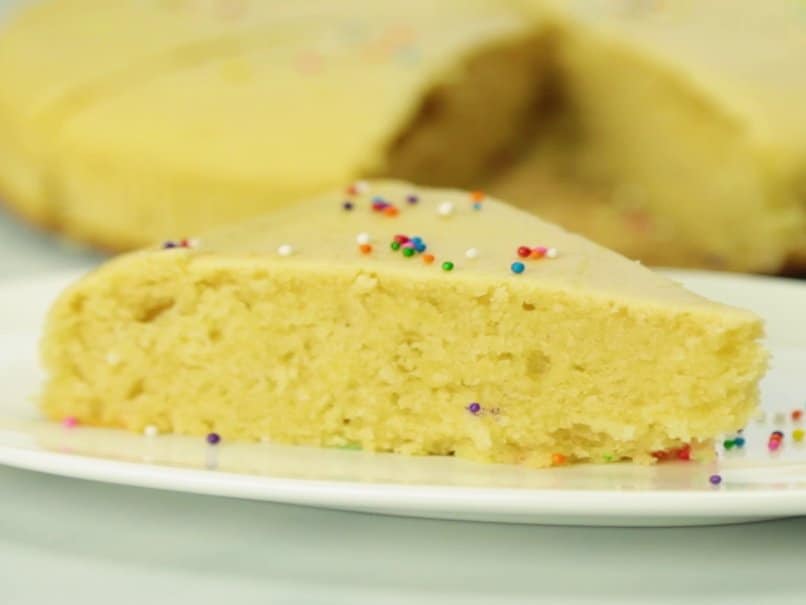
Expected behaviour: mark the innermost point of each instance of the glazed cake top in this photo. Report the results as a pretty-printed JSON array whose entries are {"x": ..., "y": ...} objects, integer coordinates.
[{"x": 483, "y": 239}]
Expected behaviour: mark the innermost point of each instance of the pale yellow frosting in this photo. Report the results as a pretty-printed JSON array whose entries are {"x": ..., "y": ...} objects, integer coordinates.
[{"x": 320, "y": 231}]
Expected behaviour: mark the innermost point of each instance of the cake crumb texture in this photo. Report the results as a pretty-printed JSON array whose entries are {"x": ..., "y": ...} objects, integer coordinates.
[{"x": 331, "y": 347}]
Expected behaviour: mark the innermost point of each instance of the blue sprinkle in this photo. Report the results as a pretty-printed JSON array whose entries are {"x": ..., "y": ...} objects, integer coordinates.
[{"x": 517, "y": 267}]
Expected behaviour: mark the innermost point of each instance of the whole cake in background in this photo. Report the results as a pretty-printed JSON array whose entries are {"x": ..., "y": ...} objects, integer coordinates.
[
  {"x": 674, "y": 132},
  {"x": 397, "y": 318}
]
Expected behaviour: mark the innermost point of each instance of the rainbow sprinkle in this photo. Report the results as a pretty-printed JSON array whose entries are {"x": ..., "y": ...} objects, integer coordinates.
[
  {"x": 558, "y": 459},
  {"x": 536, "y": 252},
  {"x": 408, "y": 246},
  {"x": 774, "y": 442},
  {"x": 182, "y": 243}
]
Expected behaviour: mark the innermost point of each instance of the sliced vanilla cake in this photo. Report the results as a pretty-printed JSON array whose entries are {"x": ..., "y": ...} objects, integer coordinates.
[{"x": 402, "y": 319}]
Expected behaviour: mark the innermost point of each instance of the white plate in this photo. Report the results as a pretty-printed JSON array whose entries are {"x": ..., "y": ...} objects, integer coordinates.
[{"x": 756, "y": 484}]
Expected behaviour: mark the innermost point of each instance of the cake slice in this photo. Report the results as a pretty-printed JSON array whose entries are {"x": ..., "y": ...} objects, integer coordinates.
[{"x": 401, "y": 319}]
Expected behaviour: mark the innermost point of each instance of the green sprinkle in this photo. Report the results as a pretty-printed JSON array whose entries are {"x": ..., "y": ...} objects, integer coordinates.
[
  {"x": 408, "y": 251},
  {"x": 395, "y": 245},
  {"x": 447, "y": 266},
  {"x": 351, "y": 446},
  {"x": 729, "y": 443},
  {"x": 608, "y": 458}
]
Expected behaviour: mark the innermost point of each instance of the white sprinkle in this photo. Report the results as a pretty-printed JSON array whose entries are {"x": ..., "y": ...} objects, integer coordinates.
[
  {"x": 151, "y": 431},
  {"x": 285, "y": 250},
  {"x": 361, "y": 186},
  {"x": 472, "y": 253},
  {"x": 112, "y": 358},
  {"x": 779, "y": 418},
  {"x": 363, "y": 238},
  {"x": 551, "y": 253},
  {"x": 194, "y": 243},
  {"x": 445, "y": 209}
]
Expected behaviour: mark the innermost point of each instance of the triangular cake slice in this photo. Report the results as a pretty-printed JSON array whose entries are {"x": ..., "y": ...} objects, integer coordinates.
[{"x": 396, "y": 318}]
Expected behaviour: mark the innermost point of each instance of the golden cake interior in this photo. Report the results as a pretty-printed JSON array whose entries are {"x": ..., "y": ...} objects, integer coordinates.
[{"x": 587, "y": 357}]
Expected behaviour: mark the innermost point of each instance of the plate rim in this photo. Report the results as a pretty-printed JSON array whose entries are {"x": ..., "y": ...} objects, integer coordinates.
[{"x": 390, "y": 497}]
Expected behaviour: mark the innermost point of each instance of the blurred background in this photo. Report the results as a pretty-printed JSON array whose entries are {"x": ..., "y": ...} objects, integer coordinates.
[{"x": 673, "y": 132}]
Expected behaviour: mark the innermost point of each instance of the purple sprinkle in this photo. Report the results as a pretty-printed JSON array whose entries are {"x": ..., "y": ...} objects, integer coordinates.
[
  {"x": 348, "y": 205},
  {"x": 169, "y": 245},
  {"x": 412, "y": 199},
  {"x": 213, "y": 438},
  {"x": 474, "y": 408},
  {"x": 715, "y": 479}
]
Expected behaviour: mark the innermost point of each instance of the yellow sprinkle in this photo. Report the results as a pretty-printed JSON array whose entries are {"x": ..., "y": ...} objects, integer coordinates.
[{"x": 797, "y": 435}]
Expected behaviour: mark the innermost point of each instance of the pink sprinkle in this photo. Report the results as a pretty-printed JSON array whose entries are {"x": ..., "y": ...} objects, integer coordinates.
[
  {"x": 774, "y": 444},
  {"x": 70, "y": 422},
  {"x": 541, "y": 249}
]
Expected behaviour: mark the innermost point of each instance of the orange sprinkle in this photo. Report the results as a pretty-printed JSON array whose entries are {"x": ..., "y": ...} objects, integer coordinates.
[
  {"x": 558, "y": 459},
  {"x": 477, "y": 196},
  {"x": 365, "y": 248},
  {"x": 391, "y": 211},
  {"x": 428, "y": 258},
  {"x": 537, "y": 253}
]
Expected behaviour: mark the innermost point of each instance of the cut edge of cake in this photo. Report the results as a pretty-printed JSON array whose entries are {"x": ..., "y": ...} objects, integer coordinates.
[{"x": 327, "y": 345}]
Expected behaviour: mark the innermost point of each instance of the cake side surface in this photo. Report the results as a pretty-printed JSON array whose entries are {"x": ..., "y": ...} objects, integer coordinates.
[{"x": 253, "y": 334}]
